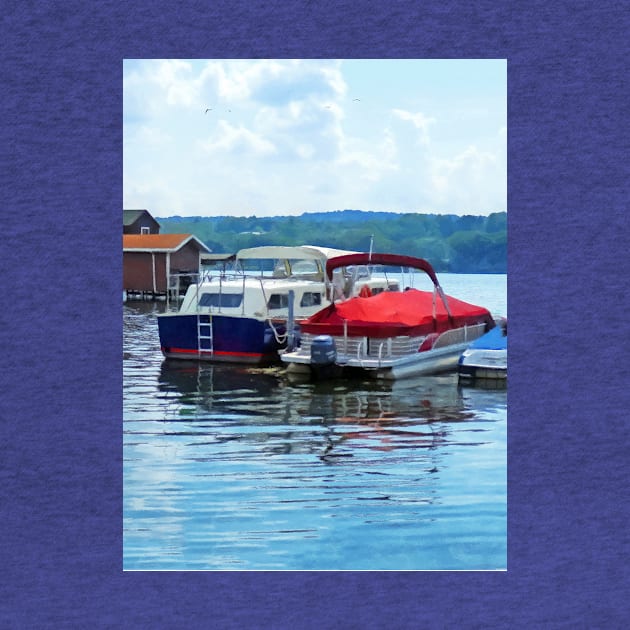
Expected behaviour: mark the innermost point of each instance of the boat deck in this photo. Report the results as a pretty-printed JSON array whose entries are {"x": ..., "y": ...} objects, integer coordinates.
[{"x": 393, "y": 357}]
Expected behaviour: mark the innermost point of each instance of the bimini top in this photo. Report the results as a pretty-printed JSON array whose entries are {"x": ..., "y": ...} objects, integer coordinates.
[
  {"x": 303, "y": 252},
  {"x": 393, "y": 260}
]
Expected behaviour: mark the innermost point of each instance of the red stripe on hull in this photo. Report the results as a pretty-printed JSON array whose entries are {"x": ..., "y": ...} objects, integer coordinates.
[
  {"x": 216, "y": 352},
  {"x": 219, "y": 354}
]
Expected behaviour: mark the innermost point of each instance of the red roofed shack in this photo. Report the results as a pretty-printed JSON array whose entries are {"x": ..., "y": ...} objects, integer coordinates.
[{"x": 149, "y": 260}]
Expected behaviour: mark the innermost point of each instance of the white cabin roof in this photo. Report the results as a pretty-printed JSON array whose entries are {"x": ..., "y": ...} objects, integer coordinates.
[{"x": 300, "y": 252}]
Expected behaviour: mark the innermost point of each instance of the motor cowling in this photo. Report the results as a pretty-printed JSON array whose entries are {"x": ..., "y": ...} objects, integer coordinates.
[{"x": 323, "y": 350}]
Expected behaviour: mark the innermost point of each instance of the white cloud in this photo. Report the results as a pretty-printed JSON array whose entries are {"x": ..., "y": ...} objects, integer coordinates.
[
  {"x": 176, "y": 80},
  {"x": 152, "y": 136},
  {"x": 298, "y": 124},
  {"x": 373, "y": 161},
  {"x": 419, "y": 121},
  {"x": 471, "y": 160},
  {"x": 270, "y": 82},
  {"x": 237, "y": 140},
  {"x": 472, "y": 178},
  {"x": 224, "y": 83},
  {"x": 290, "y": 108},
  {"x": 305, "y": 151},
  {"x": 284, "y": 136}
]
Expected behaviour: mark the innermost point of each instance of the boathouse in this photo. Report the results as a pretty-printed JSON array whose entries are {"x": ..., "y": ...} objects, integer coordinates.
[
  {"x": 139, "y": 222},
  {"x": 149, "y": 260}
]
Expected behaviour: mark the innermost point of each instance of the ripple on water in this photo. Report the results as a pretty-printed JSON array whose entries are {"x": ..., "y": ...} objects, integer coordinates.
[{"x": 228, "y": 467}]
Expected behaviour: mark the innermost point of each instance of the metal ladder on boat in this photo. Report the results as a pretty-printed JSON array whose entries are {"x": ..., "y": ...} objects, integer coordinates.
[{"x": 204, "y": 334}]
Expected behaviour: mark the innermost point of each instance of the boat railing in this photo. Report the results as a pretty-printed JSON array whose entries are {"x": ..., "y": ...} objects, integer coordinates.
[
  {"x": 178, "y": 284},
  {"x": 459, "y": 335},
  {"x": 365, "y": 348}
]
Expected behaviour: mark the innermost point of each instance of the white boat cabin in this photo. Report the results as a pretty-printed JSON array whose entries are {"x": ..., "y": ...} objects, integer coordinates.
[{"x": 261, "y": 280}]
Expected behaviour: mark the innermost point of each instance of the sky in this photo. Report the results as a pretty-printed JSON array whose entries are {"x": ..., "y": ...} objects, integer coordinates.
[{"x": 282, "y": 137}]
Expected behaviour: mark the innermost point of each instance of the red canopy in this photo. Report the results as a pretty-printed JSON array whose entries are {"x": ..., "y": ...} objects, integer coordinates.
[
  {"x": 394, "y": 313},
  {"x": 375, "y": 258}
]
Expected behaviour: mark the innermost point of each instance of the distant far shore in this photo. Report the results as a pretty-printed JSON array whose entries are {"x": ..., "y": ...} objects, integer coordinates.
[{"x": 452, "y": 243}]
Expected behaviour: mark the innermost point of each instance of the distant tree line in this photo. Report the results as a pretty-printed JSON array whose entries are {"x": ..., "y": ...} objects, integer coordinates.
[{"x": 451, "y": 243}]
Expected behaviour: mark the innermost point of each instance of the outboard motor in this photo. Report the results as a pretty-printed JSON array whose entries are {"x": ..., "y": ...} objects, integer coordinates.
[{"x": 323, "y": 351}]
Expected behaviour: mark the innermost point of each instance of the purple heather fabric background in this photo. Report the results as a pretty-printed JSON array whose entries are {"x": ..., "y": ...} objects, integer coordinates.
[{"x": 61, "y": 407}]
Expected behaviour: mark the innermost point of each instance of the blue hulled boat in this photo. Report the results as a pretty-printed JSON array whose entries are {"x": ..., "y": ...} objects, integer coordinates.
[
  {"x": 486, "y": 357},
  {"x": 242, "y": 315}
]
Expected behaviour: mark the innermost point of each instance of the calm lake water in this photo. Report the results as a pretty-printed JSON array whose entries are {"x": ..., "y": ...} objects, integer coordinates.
[{"x": 223, "y": 466}]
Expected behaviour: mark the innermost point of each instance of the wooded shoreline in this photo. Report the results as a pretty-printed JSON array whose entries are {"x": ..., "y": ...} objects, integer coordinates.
[{"x": 452, "y": 243}]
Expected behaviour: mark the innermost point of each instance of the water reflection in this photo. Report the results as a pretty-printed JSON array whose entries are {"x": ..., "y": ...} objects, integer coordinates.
[
  {"x": 331, "y": 420},
  {"x": 234, "y": 467}
]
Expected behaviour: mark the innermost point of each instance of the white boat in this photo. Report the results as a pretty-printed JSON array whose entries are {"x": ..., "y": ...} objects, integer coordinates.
[
  {"x": 390, "y": 335},
  {"x": 486, "y": 357},
  {"x": 241, "y": 315}
]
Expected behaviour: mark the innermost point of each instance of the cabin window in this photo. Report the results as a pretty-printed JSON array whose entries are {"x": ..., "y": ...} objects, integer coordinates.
[
  {"x": 228, "y": 300},
  {"x": 145, "y": 230},
  {"x": 278, "y": 300},
  {"x": 311, "y": 299}
]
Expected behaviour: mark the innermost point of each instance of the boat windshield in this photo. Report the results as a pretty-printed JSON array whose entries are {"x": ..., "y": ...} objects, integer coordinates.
[{"x": 306, "y": 268}]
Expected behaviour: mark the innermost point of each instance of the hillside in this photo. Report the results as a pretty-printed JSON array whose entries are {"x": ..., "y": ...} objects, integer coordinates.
[{"x": 452, "y": 243}]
